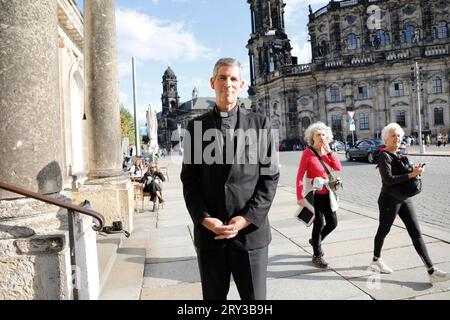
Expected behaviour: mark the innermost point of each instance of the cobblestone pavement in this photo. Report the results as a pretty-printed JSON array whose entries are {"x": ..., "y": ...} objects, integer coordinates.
[{"x": 362, "y": 185}]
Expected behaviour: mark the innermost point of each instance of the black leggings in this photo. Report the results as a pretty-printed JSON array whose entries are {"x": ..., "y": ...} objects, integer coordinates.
[
  {"x": 389, "y": 208},
  {"x": 320, "y": 230}
]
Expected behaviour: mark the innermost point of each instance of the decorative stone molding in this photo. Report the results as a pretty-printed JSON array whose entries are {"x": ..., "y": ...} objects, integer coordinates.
[{"x": 41, "y": 245}]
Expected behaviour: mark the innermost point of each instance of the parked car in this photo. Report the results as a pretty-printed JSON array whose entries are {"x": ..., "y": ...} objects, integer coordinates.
[
  {"x": 369, "y": 149},
  {"x": 336, "y": 145}
]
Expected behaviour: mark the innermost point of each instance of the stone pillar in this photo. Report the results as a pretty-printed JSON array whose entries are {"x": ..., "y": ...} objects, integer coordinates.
[
  {"x": 30, "y": 130},
  {"x": 34, "y": 258},
  {"x": 102, "y": 98},
  {"x": 108, "y": 190}
]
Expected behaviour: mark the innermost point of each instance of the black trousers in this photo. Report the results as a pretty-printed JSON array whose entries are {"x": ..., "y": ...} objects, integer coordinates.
[
  {"x": 322, "y": 228},
  {"x": 249, "y": 270},
  {"x": 389, "y": 208}
]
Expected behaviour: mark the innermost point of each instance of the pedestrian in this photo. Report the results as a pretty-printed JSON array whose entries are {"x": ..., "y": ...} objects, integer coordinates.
[
  {"x": 152, "y": 181},
  {"x": 396, "y": 169},
  {"x": 229, "y": 201},
  {"x": 138, "y": 167},
  {"x": 311, "y": 172}
]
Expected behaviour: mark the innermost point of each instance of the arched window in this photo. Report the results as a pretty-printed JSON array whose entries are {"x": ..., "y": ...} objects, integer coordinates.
[
  {"x": 352, "y": 41},
  {"x": 436, "y": 84},
  {"x": 380, "y": 39},
  {"x": 306, "y": 122},
  {"x": 399, "y": 90},
  {"x": 335, "y": 94},
  {"x": 442, "y": 30},
  {"x": 438, "y": 116},
  {"x": 408, "y": 34}
]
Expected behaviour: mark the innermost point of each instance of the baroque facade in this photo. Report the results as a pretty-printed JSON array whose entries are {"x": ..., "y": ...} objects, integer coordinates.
[{"x": 362, "y": 55}]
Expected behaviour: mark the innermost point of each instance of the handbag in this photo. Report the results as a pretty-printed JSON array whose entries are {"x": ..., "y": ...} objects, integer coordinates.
[
  {"x": 408, "y": 188},
  {"x": 334, "y": 182},
  {"x": 411, "y": 187}
]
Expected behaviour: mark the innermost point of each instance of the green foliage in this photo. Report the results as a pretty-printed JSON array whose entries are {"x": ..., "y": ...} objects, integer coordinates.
[{"x": 126, "y": 124}]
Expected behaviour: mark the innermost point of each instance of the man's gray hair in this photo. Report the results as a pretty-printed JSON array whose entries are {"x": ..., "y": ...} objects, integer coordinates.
[
  {"x": 227, "y": 62},
  {"x": 312, "y": 129},
  {"x": 389, "y": 128}
]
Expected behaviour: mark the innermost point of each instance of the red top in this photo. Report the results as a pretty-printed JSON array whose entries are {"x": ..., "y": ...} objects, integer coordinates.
[{"x": 310, "y": 164}]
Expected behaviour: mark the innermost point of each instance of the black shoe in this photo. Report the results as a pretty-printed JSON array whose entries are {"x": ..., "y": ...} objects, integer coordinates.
[
  {"x": 320, "y": 262},
  {"x": 311, "y": 243}
]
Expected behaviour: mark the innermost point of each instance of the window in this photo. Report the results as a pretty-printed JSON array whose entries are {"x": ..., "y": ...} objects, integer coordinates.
[
  {"x": 335, "y": 94},
  {"x": 336, "y": 123},
  {"x": 271, "y": 62},
  {"x": 363, "y": 121},
  {"x": 352, "y": 41},
  {"x": 362, "y": 92},
  {"x": 438, "y": 116},
  {"x": 442, "y": 30},
  {"x": 380, "y": 39},
  {"x": 399, "y": 90},
  {"x": 436, "y": 84},
  {"x": 401, "y": 118},
  {"x": 305, "y": 123},
  {"x": 408, "y": 34}
]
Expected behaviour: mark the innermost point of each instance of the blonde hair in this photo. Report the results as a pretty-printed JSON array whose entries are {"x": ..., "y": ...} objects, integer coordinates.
[
  {"x": 312, "y": 129},
  {"x": 391, "y": 127}
]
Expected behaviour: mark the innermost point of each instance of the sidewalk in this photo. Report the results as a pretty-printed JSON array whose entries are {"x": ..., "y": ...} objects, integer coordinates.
[
  {"x": 432, "y": 150},
  {"x": 168, "y": 270}
]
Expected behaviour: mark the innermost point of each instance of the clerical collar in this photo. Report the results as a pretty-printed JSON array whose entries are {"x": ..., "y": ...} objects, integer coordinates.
[{"x": 228, "y": 114}]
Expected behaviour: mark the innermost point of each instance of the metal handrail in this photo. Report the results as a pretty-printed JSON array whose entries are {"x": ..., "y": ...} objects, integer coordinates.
[{"x": 69, "y": 206}]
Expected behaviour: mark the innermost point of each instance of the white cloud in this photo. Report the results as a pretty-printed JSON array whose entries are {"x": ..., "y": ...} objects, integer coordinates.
[
  {"x": 147, "y": 38},
  {"x": 123, "y": 97},
  {"x": 301, "y": 50},
  {"x": 292, "y": 8}
]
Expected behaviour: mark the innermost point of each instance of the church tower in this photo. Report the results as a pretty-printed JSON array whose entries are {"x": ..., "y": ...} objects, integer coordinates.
[
  {"x": 169, "y": 98},
  {"x": 269, "y": 47}
]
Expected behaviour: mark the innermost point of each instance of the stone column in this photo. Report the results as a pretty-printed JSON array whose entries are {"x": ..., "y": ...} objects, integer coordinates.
[
  {"x": 108, "y": 190},
  {"x": 34, "y": 259},
  {"x": 102, "y": 98},
  {"x": 30, "y": 129}
]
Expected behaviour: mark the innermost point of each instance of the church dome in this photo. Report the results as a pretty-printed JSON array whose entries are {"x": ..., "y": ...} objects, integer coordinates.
[{"x": 169, "y": 73}]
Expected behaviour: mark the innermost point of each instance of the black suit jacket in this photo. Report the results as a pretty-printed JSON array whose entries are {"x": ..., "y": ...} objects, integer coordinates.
[{"x": 246, "y": 188}]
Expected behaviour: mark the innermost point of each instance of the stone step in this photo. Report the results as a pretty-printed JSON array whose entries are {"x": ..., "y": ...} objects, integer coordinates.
[
  {"x": 107, "y": 246},
  {"x": 124, "y": 281}
]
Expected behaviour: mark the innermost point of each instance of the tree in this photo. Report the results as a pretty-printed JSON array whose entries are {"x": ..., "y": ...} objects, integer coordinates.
[{"x": 126, "y": 124}]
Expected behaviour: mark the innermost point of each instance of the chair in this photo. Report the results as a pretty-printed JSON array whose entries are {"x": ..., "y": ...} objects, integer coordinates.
[{"x": 139, "y": 194}]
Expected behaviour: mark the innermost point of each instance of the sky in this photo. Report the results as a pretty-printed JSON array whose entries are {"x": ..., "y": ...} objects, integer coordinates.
[{"x": 190, "y": 36}]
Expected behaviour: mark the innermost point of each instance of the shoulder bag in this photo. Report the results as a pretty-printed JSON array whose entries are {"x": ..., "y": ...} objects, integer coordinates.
[{"x": 334, "y": 182}]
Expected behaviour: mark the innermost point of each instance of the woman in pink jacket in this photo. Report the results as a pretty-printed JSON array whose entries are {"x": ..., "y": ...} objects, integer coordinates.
[{"x": 311, "y": 172}]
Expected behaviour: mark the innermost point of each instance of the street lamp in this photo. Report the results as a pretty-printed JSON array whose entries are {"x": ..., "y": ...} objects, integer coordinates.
[{"x": 415, "y": 75}]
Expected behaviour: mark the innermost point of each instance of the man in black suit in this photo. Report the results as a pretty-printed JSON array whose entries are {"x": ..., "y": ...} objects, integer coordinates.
[{"x": 229, "y": 175}]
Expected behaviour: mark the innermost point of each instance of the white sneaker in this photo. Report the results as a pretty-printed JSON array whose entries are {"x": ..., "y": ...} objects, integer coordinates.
[
  {"x": 439, "y": 276},
  {"x": 380, "y": 266}
]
